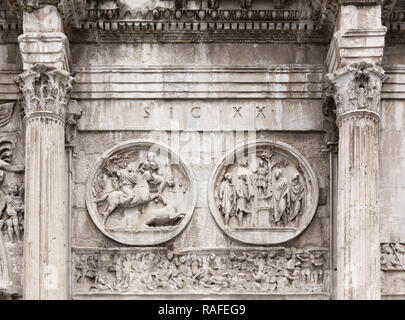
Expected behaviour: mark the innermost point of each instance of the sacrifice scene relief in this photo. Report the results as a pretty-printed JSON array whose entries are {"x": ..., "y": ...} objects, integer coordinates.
[{"x": 264, "y": 193}]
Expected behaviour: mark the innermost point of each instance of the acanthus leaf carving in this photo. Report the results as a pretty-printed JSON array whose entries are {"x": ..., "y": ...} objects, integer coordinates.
[
  {"x": 45, "y": 88},
  {"x": 357, "y": 86}
]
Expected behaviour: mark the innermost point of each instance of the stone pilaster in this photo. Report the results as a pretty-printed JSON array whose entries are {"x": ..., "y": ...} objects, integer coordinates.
[
  {"x": 356, "y": 91},
  {"x": 45, "y": 85}
]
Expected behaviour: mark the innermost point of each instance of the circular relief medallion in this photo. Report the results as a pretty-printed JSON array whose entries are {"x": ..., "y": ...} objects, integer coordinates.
[
  {"x": 263, "y": 193},
  {"x": 141, "y": 193}
]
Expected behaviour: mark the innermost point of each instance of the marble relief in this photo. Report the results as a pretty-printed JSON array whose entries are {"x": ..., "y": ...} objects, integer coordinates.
[
  {"x": 164, "y": 270},
  {"x": 263, "y": 193},
  {"x": 140, "y": 193}
]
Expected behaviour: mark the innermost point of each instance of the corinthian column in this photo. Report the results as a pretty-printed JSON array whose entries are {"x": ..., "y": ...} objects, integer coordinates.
[
  {"x": 356, "y": 91},
  {"x": 45, "y": 85},
  {"x": 46, "y": 91}
]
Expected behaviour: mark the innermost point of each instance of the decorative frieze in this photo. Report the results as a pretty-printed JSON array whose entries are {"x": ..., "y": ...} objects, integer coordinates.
[
  {"x": 45, "y": 89},
  {"x": 200, "y": 271},
  {"x": 393, "y": 266},
  {"x": 11, "y": 220},
  {"x": 304, "y": 21},
  {"x": 11, "y": 201},
  {"x": 308, "y": 21},
  {"x": 393, "y": 256},
  {"x": 395, "y": 23}
]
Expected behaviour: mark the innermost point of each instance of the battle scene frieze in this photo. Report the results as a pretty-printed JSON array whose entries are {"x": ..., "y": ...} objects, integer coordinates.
[{"x": 162, "y": 270}]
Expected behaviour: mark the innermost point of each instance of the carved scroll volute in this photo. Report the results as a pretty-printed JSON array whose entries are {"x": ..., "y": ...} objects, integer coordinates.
[
  {"x": 357, "y": 87},
  {"x": 45, "y": 89}
]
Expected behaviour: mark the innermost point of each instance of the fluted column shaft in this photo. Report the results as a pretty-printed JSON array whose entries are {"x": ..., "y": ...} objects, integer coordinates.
[
  {"x": 46, "y": 222},
  {"x": 46, "y": 92},
  {"x": 356, "y": 91},
  {"x": 358, "y": 261}
]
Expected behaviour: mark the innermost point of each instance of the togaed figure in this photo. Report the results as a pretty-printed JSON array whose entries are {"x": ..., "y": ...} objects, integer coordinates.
[
  {"x": 244, "y": 192},
  {"x": 295, "y": 197},
  {"x": 280, "y": 195},
  {"x": 226, "y": 195}
]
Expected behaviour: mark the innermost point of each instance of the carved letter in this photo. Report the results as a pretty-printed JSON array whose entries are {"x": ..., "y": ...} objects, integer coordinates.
[
  {"x": 237, "y": 111},
  {"x": 147, "y": 112},
  {"x": 196, "y": 112}
]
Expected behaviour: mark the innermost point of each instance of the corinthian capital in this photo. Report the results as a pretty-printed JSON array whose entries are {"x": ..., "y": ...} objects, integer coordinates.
[
  {"x": 355, "y": 87},
  {"x": 45, "y": 88}
]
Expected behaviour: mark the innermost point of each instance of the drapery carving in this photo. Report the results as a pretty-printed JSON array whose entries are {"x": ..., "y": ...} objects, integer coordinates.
[{"x": 268, "y": 195}]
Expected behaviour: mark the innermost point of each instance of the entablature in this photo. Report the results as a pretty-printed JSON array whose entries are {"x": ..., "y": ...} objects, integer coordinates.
[
  {"x": 260, "y": 21},
  {"x": 191, "y": 21}
]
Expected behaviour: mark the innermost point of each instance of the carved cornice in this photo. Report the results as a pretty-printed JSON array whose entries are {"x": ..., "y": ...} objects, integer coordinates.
[
  {"x": 312, "y": 24},
  {"x": 395, "y": 24},
  {"x": 286, "y": 21},
  {"x": 11, "y": 12},
  {"x": 360, "y": 2},
  {"x": 45, "y": 89},
  {"x": 356, "y": 87},
  {"x": 289, "y": 21}
]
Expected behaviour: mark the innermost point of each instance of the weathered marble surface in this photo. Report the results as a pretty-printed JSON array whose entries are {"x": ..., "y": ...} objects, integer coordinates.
[{"x": 202, "y": 93}]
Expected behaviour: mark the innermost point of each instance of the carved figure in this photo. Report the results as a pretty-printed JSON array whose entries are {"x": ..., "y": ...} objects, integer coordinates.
[
  {"x": 165, "y": 216},
  {"x": 295, "y": 197},
  {"x": 139, "y": 196},
  {"x": 244, "y": 193},
  {"x": 317, "y": 260},
  {"x": 389, "y": 257},
  {"x": 6, "y": 156},
  {"x": 245, "y": 271},
  {"x": 156, "y": 182},
  {"x": 134, "y": 191},
  {"x": 14, "y": 211},
  {"x": 306, "y": 261},
  {"x": 280, "y": 196},
  {"x": 266, "y": 196},
  {"x": 261, "y": 178},
  {"x": 226, "y": 195}
]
